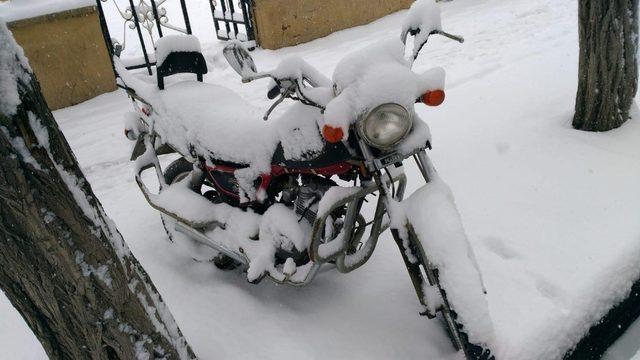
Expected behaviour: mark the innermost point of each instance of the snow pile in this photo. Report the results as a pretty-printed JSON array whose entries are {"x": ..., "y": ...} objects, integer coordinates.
[
  {"x": 175, "y": 43},
  {"x": 333, "y": 196},
  {"x": 280, "y": 225},
  {"x": 256, "y": 237},
  {"x": 614, "y": 283},
  {"x": 10, "y": 70},
  {"x": 294, "y": 67},
  {"x": 298, "y": 132},
  {"x": 432, "y": 212},
  {"x": 14, "y": 10},
  {"x": 180, "y": 200}
]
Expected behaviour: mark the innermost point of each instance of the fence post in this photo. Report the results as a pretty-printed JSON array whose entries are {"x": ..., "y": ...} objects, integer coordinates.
[
  {"x": 185, "y": 15},
  {"x": 134, "y": 12},
  {"x": 106, "y": 35}
]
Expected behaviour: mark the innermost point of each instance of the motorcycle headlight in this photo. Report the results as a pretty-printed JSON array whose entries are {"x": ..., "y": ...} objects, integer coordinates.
[{"x": 385, "y": 125}]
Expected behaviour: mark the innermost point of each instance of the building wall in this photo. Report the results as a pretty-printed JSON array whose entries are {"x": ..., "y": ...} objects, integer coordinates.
[
  {"x": 68, "y": 54},
  {"x": 281, "y": 23}
]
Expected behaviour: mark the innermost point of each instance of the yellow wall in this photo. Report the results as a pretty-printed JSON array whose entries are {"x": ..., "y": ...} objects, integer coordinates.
[
  {"x": 68, "y": 54},
  {"x": 281, "y": 23}
]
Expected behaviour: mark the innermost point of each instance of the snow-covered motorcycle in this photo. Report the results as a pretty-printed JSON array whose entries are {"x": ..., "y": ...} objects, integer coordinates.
[{"x": 281, "y": 199}]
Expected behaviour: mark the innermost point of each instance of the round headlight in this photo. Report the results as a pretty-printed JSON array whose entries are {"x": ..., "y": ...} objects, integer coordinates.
[{"x": 385, "y": 125}]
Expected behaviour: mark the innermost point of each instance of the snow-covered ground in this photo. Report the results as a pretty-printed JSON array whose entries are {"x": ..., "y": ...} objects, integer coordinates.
[{"x": 552, "y": 213}]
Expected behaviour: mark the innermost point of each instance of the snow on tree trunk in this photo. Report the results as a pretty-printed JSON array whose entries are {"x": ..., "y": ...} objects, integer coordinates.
[
  {"x": 63, "y": 263},
  {"x": 608, "y": 71}
]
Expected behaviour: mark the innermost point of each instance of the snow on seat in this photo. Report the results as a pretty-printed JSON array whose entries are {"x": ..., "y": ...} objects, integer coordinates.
[
  {"x": 213, "y": 120},
  {"x": 176, "y": 43},
  {"x": 218, "y": 122},
  {"x": 179, "y": 54}
]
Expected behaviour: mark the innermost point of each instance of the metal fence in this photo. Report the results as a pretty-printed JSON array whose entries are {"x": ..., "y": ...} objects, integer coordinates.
[
  {"x": 228, "y": 22},
  {"x": 152, "y": 19}
]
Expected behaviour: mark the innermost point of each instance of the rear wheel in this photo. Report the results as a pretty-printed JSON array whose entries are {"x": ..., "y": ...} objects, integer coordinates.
[
  {"x": 178, "y": 171},
  {"x": 175, "y": 172}
]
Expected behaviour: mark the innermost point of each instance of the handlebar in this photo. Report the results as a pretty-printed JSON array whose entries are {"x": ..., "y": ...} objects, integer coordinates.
[
  {"x": 418, "y": 47},
  {"x": 286, "y": 88},
  {"x": 457, "y": 38}
]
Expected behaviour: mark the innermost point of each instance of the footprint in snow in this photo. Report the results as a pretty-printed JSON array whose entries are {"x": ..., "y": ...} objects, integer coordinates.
[
  {"x": 502, "y": 147},
  {"x": 500, "y": 248},
  {"x": 552, "y": 292},
  {"x": 547, "y": 288}
]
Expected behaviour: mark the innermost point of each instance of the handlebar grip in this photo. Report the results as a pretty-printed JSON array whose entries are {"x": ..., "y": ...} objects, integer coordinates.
[{"x": 274, "y": 92}]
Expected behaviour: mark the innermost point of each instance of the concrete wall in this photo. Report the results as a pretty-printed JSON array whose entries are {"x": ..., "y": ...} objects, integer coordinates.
[
  {"x": 68, "y": 55},
  {"x": 281, "y": 23}
]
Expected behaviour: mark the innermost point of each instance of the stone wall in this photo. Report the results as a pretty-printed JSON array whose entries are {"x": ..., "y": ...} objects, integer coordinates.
[
  {"x": 68, "y": 54},
  {"x": 281, "y": 23}
]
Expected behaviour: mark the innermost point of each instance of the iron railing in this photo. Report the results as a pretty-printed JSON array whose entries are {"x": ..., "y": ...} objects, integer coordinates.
[
  {"x": 228, "y": 22},
  {"x": 150, "y": 19}
]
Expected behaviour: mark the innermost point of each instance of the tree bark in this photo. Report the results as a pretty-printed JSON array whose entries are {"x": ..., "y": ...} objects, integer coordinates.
[
  {"x": 608, "y": 69},
  {"x": 63, "y": 264}
]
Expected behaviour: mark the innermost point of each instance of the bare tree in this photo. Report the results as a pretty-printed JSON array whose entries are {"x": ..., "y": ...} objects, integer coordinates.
[
  {"x": 63, "y": 263},
  {"x": 608, "y": 70}
]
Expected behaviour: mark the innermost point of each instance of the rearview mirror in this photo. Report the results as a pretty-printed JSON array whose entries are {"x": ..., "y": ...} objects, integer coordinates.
[{"x": 240, "y": 60}]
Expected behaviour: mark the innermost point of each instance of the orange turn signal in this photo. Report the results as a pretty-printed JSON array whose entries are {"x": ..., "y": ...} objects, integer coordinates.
[
  {"x": 433, "y": 98},
  {"x": 332, "y": 134}
]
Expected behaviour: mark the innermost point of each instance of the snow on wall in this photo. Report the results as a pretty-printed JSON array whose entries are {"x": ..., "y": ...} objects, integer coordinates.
[{"x": 14, "y": 10}]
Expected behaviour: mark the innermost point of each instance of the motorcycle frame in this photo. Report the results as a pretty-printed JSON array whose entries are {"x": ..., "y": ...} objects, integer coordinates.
[{"x": 345, "y": 260}]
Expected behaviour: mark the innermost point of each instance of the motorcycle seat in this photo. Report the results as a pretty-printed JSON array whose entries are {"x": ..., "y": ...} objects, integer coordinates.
[{"x": 213, "y": 120}]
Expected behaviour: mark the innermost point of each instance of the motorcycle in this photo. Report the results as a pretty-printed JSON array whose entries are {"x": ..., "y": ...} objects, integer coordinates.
[{"x": 285, "y": 199}]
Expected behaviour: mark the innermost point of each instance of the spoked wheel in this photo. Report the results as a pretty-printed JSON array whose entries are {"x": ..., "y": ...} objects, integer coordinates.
[
  {"x": 423, "y": 273},
  {"x": 175, "y": 172}
]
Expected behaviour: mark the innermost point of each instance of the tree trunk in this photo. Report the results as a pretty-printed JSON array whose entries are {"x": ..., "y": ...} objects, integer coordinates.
[
  {"x": 608, "y": 70},
  {"x": 63, "y": 263}
]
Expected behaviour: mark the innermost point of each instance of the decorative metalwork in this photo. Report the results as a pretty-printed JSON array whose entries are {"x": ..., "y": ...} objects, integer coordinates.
[
  {"x": 151, "y": 17},
  {"x": 227, "y": 19},
  {"x": 142, "y": 15},
  {"x": 147, "y": 17}
]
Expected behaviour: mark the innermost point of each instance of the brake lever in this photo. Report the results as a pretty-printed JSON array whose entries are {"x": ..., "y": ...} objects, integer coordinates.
[{"x": 273, "y": 106}]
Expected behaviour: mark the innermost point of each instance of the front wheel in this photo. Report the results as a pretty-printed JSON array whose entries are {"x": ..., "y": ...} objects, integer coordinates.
[{"x": 424, "y": 275}]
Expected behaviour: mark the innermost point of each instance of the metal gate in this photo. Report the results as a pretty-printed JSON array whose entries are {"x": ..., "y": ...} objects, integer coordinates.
[
  {"x": 229, "y": 20},
  {"x": 144, "y": 21}
]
